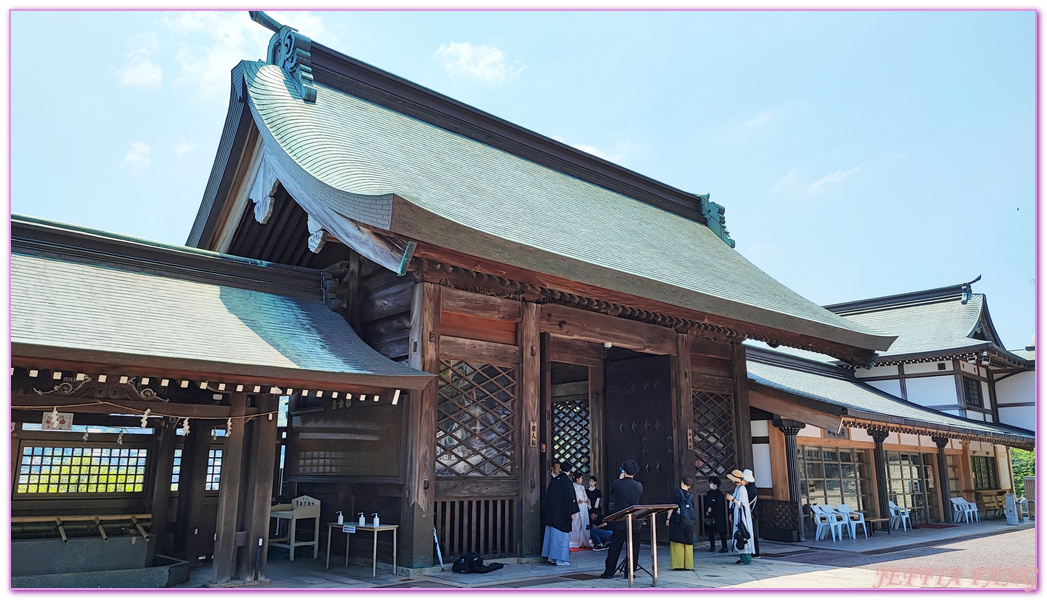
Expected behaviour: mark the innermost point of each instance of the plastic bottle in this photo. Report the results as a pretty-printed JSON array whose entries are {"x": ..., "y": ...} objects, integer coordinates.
[
  {"x": 339, "y": 517},
  {"x": 375, "y": 515},
  {"x": 363, "y": 521}
]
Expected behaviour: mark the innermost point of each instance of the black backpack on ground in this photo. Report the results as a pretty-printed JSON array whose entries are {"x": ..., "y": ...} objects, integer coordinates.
[
  {"x": 473, "y": 563},
  {"x": 688, "y": 518}
]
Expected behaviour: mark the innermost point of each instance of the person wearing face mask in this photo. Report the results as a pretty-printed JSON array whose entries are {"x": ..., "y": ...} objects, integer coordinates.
[
  {"x": 595, "y": 496},
  {"x": 716, "y": 509}
]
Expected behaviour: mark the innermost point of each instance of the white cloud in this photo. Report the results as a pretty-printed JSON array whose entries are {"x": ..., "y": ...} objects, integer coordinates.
[
  {"x": 791, "y": 182},
  {"x": 212, "y": 43},
  {"x": 594, "y": 151},
  {"x": 138, "y": 157},
  {"x": 183, "y": 147},
  {"x": 140, "y": 71},
  {"x": 482, "y": 62},
  {"x": 760, "y": 119}
]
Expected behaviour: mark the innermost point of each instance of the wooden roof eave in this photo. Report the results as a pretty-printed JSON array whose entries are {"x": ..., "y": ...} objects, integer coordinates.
[
  {"x": 33, "y": 355},
  {"x": 480, "y": 251}
]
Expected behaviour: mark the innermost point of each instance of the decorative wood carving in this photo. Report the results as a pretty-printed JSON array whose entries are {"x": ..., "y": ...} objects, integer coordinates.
[
  {"x": 262, "y": 191},
  {"x": 89, "y": 388},
  {"x": 317, "y": 235},
  {"x": 290, "y": 50}
]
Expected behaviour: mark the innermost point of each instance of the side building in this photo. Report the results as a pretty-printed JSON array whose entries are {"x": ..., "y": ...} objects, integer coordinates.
[{"x": 921, "y": 424}]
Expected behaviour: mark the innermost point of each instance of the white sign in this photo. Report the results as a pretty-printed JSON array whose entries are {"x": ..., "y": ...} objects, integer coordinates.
[
  {"x": 348, "y": 528},
  {"x": 60, "y": 421}
]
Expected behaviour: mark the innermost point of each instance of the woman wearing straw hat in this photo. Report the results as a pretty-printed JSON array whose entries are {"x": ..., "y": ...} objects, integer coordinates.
[{"x": 743, "y": 522}]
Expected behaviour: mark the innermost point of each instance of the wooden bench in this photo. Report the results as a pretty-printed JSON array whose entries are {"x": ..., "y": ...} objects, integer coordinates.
[
  {"x": 98, "y": 520},
  {"x": 993, "y": 503},
  {"x": 885, "y": 521}
]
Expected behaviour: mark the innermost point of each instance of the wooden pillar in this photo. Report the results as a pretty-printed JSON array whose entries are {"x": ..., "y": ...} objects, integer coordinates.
[
  {"x": 262, "y": 448},
  {"x": 943, "y": 478},
  {"x": 416, "y": 513},
  {"x": 683, "y": 413},
  {"x": 880, "y": 471},
  {"x": 742, "y": 426},
  {"x": 596, "y": 426},
  {"x": 790, "y": 428},
  {"x": 192, "y": 478},
  {"x": 162, "y": 485},
  {"x": 780, "y": 459},
  {"x": 530, "y": 410},
  {"x": 229, "y": 491}
]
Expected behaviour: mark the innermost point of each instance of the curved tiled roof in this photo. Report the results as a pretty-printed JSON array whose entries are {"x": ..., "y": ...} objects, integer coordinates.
[
  {"x": 343, "y": 156},
  {"x": 863, "y": 400},
  {"x": 136, "y": 314}
]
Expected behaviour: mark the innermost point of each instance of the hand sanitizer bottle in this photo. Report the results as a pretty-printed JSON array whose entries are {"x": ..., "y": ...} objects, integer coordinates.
[
  {"x": 339, "y": 517},
  {"x": 363, "y": 521},
  {"x": 375, "y": 515}
]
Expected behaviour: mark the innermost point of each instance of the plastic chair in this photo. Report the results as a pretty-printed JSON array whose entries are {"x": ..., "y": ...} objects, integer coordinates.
[
  {"x": 899, "y": 516},
  {"x": 834, "y": 520},
  {"x": 963, "y": 509},
  {"x": 821, "y": 522},
  {"x": 854, "y": 519}
]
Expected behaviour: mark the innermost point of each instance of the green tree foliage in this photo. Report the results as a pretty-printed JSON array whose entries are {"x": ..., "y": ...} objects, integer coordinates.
[{"x": 1024, "y": 464}]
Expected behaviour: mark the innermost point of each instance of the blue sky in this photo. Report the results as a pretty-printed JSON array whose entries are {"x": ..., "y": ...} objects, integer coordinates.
[{"x": 858, "y": 154}]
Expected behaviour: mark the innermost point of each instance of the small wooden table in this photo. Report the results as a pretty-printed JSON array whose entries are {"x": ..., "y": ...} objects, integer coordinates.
[
  {"x": 374, "y": 547},
  {"x": 885, "y": 520}
]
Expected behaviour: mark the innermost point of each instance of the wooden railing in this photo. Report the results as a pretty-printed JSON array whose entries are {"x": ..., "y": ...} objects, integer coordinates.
[{"x": 483, "y": 525}]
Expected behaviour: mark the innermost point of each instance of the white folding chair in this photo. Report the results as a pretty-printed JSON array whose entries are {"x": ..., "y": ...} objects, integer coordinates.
[
  {"x": 853, "y": 520},
  {"x": 899, "y": 516}
]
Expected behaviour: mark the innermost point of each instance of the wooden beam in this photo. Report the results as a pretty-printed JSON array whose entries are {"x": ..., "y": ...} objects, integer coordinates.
[
  {"x": 743, "y": 426},
  {"x": 779, "y": 462},
  {"x": 191, "y": 482},
  {"x": 596, "y": 424},
  {"x": 530, "y": 410},
  {"x": 683, "y": 414},
  {"x": 475, "y": 350},
  {"x": 573, "y": 323},
  {"x": 416, "y": 514},
  {"x": 784, "y": 408},
  {"x": 479, "y": 305},
  {"x": 576, "y": 352},
  {"x": 224, "y": 562},
  {"x": 258, "y": 493},
  {"x": 477, "y": 328},
  {"x": 161, "y": 496},
  {"x": 105, "y": 407}
]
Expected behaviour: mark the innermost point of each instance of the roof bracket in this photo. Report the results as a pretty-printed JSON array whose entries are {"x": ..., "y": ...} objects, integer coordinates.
[
  {"x": 262, "y": 191},
  {"x": 290, "y": 51},
  {"x": 714, "y": 219}
]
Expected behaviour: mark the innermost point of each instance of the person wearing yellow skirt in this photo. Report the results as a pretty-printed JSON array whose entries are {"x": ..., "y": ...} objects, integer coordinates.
[{"x": 681, "y": 528}]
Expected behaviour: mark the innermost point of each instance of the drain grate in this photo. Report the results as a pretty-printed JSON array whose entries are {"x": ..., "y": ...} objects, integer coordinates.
[
  {"x": 418, "y": 584},
  {"x": 581, "y": 576}
]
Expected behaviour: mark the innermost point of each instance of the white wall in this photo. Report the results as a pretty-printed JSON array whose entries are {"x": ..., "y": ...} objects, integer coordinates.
[
  {"x": 891, "y": 386},
  {"x": 931, "y": 391},
  {"x": 1017, "y": 388},
  {"x": 876, "y": 372},
  {"x": 913, "y": 368},
  {"x": 762, "y": 465}
]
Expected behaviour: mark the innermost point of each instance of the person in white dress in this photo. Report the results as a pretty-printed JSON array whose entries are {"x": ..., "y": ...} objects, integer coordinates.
[
  {"x": 580, "y": 520},
  {"x": 739, "y": 502}
]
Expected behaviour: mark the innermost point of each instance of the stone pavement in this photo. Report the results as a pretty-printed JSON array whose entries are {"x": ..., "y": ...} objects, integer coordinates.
[{"x": 711, "y": 570}]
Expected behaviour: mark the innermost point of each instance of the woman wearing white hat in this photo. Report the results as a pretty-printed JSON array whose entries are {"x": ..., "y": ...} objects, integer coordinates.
[
  {"x": 743, "y": 522},
  {"x": 750, "y": 486}
]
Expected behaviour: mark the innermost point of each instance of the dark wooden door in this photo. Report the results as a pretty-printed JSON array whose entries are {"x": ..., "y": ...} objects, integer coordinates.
[{"x": 638, "y": 416}]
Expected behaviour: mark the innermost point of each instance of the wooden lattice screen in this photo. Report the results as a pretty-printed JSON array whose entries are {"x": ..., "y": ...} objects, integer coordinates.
[
  {"x": 476, "y": 418},
  {"x": 713, "y": 434},
  {"x": 482, "y": 525},
  {"x": 571, "y": 433}
]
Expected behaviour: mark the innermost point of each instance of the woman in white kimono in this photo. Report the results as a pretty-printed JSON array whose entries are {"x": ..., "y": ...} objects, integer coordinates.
[
  {"x": 739, "y": 503},
  {"x": 580, "y": 520}
]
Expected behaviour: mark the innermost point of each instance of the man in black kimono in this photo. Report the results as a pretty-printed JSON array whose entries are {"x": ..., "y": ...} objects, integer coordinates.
[
  {"x": 624, "y": 492},
  {"x": 559, "y": 504}
]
